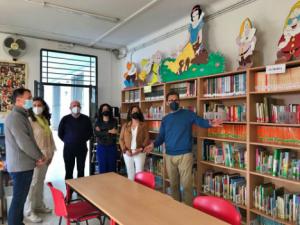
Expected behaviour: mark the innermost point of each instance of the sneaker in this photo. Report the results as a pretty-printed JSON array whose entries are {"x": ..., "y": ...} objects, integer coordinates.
[
  {"x": 34, "y": 218},
  {"x": 43, "y": 210}
]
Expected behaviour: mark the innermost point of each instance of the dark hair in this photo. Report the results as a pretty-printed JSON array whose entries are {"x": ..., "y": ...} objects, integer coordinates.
[
  {"x": 172, "y": 93},
  {"x": 19, "y": 92},
  {"x": 100, "y": 111},
  {"x": 46, "y": 112},
  {"x": 141, "y": 117},
  {"x": 196, "y": 8}
]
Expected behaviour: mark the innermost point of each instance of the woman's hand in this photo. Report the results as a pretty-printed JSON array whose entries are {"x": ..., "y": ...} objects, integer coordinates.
[
  {"x": 128, "y": 152},
  {"x": 113, "y": 131},
  {"x": 137, "y": 151}
]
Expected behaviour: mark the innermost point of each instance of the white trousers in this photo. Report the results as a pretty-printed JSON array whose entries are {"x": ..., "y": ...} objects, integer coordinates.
[
  {"x": 134, "y": 164},
  {"x": 35, "y": 198}
]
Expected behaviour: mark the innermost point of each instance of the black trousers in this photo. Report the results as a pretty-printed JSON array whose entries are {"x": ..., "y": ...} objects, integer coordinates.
[{"x": 71, "y": 153}]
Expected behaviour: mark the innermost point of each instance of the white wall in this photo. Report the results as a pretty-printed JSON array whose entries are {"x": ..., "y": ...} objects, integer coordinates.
[
  {"x": 106, "y": 62},
  {"x": 268, "y": 17}
]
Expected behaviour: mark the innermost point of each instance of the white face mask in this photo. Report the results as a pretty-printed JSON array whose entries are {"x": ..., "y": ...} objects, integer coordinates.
[
  {"x": 75, "y": 110},
  {"x": 37, "y": 110}
]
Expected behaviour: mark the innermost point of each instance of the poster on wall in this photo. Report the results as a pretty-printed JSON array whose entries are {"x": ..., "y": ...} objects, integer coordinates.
[{"x": 12, "y": 75}]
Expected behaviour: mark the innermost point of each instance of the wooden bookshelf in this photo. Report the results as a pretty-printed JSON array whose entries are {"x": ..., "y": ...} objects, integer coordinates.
[{"x": 250, "y": 98}]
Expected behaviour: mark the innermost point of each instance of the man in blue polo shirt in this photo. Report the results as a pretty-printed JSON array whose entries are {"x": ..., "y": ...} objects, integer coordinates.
[{"x": 176, "y": 133}]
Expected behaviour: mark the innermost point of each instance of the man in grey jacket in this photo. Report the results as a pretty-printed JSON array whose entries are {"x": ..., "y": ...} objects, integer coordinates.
[{"x": 22, "y": 153}]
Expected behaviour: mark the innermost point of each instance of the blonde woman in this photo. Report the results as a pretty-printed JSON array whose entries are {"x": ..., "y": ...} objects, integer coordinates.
[{"x": 39, "y": 117}]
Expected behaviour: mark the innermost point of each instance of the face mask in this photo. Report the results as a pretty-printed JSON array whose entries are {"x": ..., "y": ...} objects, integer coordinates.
[
  {"x": 105, "y": 113},
  {"x": 75, "y": 110},
  {"x": 174, "y": 106},
  {"x": 37, "y": 110},
  {"x": 135, "y": 115},
  {"x": 28, "y": 104}
]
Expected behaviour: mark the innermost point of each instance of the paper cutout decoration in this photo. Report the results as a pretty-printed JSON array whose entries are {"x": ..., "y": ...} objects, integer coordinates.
[
  {"x": 193, "y": 58},
  {"x": 246, "y": 42},
  {"x": 149, "y": 74},
  {"x": 289, "y": 43},
  {"x": 154, "y": 76},
  {"x": 131, "y": 75},
  {"x": 146, "y": 67}
]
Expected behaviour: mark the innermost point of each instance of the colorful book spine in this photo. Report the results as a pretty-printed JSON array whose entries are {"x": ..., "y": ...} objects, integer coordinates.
[{"x": 225, "y": 86}]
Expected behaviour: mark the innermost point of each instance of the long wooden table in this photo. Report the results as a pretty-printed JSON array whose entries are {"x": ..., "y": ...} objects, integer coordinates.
[{"x": 130, "y": 203}]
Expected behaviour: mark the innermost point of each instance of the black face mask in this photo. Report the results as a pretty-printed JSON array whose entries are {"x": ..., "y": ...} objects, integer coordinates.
[
  {"x": 105, "y": 113},
  {"x": 174, "y": 106},
  {"x": 135, "y": 115}
]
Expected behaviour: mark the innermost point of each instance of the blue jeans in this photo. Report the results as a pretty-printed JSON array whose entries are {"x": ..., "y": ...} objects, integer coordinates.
[
  {"x": 107, "y": 158},
  {"x": 21, "y": 185}
]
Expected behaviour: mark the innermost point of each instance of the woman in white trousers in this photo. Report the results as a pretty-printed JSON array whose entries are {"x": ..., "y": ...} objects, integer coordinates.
[{"x": 133, "y": 138}]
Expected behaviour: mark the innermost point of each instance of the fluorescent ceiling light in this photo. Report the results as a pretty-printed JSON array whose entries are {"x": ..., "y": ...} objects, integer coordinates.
[{"x": 75, "y": 11}]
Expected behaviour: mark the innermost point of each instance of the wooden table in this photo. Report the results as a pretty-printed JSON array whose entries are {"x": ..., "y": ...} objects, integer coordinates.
[{"x": 130, "y": 203}]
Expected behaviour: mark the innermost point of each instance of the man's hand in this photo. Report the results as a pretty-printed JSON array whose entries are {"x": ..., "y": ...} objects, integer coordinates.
[
  {"x": 113, "y": 131},
  {"x": 97, "y": 128},
  {"x": 216, "y": 123},
  {"x": 149, "y": 148}
]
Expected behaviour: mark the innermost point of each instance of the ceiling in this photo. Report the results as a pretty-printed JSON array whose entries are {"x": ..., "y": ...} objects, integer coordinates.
[{"x": 81, "y": 21}]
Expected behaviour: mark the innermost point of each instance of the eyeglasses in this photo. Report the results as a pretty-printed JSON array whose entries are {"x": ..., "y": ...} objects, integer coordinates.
[{"x": 290, "y": 21}]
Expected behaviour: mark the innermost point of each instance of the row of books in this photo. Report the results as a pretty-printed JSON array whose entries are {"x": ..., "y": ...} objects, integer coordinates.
[
  {"x": 279, "y": 135},
  {"x": 276, "y": 202},
  {"x": 282, "y": 163},
  {"x": 132, "y": 96},
  {"x": 154, "y": 165},
  {"x": 228, "y": 186},
  {"x": 159, "y": 149},
  {"x": 268, "y": 112},
  {"x": 185, "y": 89},
  {"x": 237, "y": 132},
  {"x": 225, "y": 86},
  {"x": 153, "y": 125},
  {"x": 274, "y": 82},
  {"x": 192, "y": 108},
  {"x": 154, "y": 112},
  {"x": 227, "y": 154},
  {"x": 232, "y": 113},
  {"x": 157, "y": 93}
]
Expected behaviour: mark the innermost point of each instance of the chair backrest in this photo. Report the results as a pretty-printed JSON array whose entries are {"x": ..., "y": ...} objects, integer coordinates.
[
  {"x": 60, "y": 208},
  {"x": 219, "y": 208},
  {"x": 145, "y": 178}
]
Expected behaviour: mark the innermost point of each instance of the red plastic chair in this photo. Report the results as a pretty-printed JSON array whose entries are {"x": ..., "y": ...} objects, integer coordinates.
[
  {"x": 75, "y": 212},
  {"x": 145, "y": 178},
  {"x": 219, "y": 208}
]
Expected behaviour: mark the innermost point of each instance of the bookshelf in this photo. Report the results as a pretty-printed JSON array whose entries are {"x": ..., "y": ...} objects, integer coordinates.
[{"x": 241, "y": 97}]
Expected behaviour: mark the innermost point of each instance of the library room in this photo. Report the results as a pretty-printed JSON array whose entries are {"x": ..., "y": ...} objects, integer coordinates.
[{"x": 150, "y": 112}]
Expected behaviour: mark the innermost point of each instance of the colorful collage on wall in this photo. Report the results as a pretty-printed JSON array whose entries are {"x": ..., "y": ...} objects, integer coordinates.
[{"x": 12, "y": 75}]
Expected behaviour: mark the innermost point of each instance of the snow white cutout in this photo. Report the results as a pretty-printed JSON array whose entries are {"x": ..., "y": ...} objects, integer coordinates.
[
  {"x": 246, "y": 42},
  {"x": 193, "y": 52}
]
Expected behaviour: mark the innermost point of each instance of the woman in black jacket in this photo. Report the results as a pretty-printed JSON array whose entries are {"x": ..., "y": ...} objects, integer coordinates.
[{"x": 106, "y": 133}]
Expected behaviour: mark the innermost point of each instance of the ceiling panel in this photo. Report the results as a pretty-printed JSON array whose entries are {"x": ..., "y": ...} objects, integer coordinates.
[{"x": 24, "y": 17}]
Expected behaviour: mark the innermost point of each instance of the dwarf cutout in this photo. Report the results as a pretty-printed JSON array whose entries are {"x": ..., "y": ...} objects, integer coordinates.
[
  {"x": 246, "y": 42},
  {"x": 289, "y": 43},
  {"x": 131, "y": 75}
]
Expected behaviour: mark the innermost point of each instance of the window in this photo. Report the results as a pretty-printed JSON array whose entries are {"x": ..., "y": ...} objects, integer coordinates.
[{"x": 67, "y": 68}]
